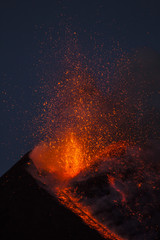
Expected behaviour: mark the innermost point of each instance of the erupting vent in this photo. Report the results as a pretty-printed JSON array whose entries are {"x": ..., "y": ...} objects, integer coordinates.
[{"x": 91, "y": 160}]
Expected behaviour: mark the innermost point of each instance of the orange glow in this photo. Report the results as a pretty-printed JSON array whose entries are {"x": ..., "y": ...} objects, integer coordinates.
[
  {"x": 66, "y": 158},
  {"x": 114, "y": 149},
  {"x": 81, "y": 127},
  {"x": 73, "y": 156},
  {"x": 76, "y": 115}
]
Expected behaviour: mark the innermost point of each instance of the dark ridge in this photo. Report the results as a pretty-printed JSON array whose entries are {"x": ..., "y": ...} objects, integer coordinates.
[{"x": 27, "y": 211}]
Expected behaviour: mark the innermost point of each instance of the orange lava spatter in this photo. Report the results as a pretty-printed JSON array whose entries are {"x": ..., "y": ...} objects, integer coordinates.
[{"x": 81, "y": 126}]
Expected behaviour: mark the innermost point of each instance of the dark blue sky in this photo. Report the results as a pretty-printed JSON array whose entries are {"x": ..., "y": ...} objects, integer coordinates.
[{"x": 134, "y": 24}]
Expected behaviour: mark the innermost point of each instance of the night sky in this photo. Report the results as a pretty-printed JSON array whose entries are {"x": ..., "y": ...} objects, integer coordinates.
[{"x": 24, "y": 24}]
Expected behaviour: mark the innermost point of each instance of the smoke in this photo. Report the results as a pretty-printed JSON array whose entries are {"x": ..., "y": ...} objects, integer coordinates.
[
  {"x": 135, "y": 94},
  {"x": 123, "y": 193}
]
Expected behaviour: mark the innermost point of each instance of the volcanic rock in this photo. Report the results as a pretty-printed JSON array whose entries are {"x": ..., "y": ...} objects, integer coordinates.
[{"x": 29, "y": 212}]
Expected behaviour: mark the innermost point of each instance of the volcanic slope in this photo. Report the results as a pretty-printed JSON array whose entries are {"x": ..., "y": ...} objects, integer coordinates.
[{"x": 27, "y": 211}]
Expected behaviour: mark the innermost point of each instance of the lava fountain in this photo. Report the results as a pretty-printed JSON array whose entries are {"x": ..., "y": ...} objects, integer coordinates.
[
  {"x": 66, "y": 158},
  {"x": 77, "y": 117},
  {"x": 85, "y": 162}
]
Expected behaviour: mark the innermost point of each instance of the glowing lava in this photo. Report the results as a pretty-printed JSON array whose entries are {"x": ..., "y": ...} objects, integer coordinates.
[
  {"x": 74, "y": 126},
  {"x": 65, "y": 158}
]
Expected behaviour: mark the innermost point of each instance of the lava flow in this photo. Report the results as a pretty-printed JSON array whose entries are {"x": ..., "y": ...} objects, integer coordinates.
[{"x": 85, "y": 162}]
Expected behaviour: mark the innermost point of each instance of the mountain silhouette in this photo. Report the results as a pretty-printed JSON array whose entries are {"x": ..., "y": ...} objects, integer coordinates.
[{"x": 28, "y": 211}]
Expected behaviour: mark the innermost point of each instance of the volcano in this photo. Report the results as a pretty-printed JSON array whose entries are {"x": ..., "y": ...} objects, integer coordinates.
[
  {"x": 118, "y": 194},
  {"x": 29, "y": 212},
  {"x": 115, "y": 198},
  {"x": 95, "y": 171}
]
